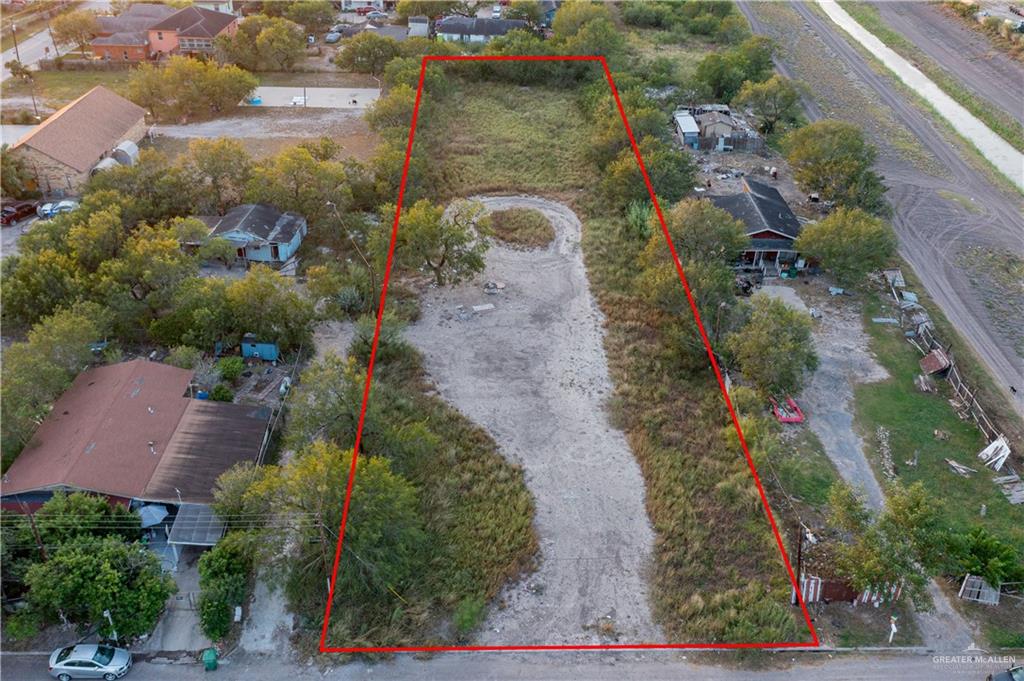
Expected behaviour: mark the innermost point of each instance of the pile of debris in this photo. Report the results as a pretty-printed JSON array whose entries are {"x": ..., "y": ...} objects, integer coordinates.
[{"x": 885, "y": 453}]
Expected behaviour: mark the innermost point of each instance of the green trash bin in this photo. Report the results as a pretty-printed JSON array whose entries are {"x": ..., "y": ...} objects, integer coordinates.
[{"x": 210, "y": 659}]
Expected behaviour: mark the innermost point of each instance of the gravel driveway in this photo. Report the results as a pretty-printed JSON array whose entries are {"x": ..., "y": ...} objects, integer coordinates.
[{"x": 532, "y": 371}]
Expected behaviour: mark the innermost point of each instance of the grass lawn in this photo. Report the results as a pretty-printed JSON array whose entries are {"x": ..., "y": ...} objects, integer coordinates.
[
  {"x": 912, "y": 417},
  {"x": 1001, "y": 122},
  {"x": 54, "y": 89},
  {"x": 522, "y": 227}
]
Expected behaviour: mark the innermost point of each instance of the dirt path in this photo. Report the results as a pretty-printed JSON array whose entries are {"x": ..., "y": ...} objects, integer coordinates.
[
  {"x": 933, "y": 229},
  {"x": 967, "y": 55},
  {"x": 827, "y": 401},
  {"x": 998, "y": 151},
  {"x": 532, "y": 371},
  {"x": 841, "y": 344}
]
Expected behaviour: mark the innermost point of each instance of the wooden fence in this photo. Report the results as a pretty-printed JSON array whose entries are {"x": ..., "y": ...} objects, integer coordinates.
[{"x": 966, "y": 402}]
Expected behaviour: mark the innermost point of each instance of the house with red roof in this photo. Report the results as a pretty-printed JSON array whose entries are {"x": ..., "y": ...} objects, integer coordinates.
[{"x": 190, "y": 31}]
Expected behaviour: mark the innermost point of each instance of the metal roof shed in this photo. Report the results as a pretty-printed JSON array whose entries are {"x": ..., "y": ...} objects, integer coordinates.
[{"x": 195, "y": 525}]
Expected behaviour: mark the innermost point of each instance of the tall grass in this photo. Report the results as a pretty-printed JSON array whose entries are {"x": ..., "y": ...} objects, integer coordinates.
[{"x": 718, "y": 575}]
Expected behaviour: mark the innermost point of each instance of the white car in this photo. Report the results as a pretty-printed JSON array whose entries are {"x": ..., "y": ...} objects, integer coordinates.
[
  {"x": 48, "y": 210},
  {"x": 89, "y": 661}
]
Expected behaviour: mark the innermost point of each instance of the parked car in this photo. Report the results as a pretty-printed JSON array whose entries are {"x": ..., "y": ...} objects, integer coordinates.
[
  {"x": 375, "y": 15},
  {"x": 332, "y": 37},
  {"x": 17, "y": 211},
  {"x": 1011, "y": 674},
  {"x": 363, "y": 11},
  {"x": 48, "y": 210},
  {"x": 89, "y": 661}
]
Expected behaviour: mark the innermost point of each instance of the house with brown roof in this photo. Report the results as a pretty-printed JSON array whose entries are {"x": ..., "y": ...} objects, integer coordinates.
[
  {"x": 125, "y": 36},
  {"x": 131, "y": 431},
  {"x": 190, "y": 31},
  {"x": 62, "y": 151}
]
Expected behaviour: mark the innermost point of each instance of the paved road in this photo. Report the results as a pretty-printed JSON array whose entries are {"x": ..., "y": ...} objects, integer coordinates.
[
  {"x": 933, "y": 230},
  {"x": 965, "y": 54},
  {"x": 33, "y": 48},
  {"x": 551, "y": 667},
  {"x": 1000, "y": 153}
]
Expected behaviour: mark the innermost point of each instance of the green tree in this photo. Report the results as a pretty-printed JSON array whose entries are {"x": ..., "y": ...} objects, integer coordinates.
[
  {"x": 833, "y": 159},
  {"x": 670, "y": 170},
  {"x": 74, "y": 28},
  {"x": 774, "y": 101},
  {"x": 315, "y": 15},
  {"x": 14, "y": 176},
  {"x": 265, "y": 303},
  {"x": 330, "y": 393},
  {"x": 36, "y": 284},
  {"x": 903, "y": 544},
  {"x": 230, "y": 368},
  {"x": 367, "y": 53},
  {"x": 608, "y": 136},
  {"x": 430, "y": 8},
  {"x": 184, "y": 357},
  {"x": 850, "y": 243},
  {"x": 527, "y": 10},
  {"x": 97, "y": 239},
  {"x": 36, "y": 371},
  {"x": 700, "y": 231},
  {"x": 77, "y": 516},
  {"x": 224, "y": 582},
  {"x": 394, "y": 110},
  {"x": 85, "y": 577},
  {"x": 450, "y": 244},
  {"x": 187, "y": 89},
  {"x": 981, "y": 553},
  {"x": 294, "y": 180},
  {"x": 384, "y": 535},
  {"x": 774, "y": 348},
  {"x": 148, "y": 269},
  {"x": 573, "y": 16},
  {"x": 152, "y": 190},
  {"x": 199, "y": 316},
  {"x": 596, "y": 37},
  {"x": 221, "y": 169},
  {"x": 263, "y": 43}
]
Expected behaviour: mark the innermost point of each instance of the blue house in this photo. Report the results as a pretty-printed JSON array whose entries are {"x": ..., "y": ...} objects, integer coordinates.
[
  {"x": 689, "y": 131},
  {"x": 260, "y": 232},
  {"x": 260, "y": 350}
]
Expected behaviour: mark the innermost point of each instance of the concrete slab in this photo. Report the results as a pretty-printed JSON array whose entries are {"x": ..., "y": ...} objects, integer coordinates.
[{"x": 317, "y": 97}]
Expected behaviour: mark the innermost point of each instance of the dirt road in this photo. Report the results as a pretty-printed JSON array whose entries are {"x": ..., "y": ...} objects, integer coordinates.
[
  {"x": 1000, "y": 153},
  {"x": 827, "y": 401},
  {"x": 967, "y": 55},
  {"x": 532, "y": 371},
  {"x": 933, "y": 229}
]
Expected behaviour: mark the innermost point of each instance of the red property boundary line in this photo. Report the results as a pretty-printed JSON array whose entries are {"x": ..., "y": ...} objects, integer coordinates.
[{"x": 324, "y": 648}]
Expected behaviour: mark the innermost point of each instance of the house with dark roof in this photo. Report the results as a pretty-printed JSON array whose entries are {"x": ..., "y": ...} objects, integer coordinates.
[
  {"x": 475, "y": 29},
  {"x": 260, "y": 232},
  {"x": 131, "y": 432},
  {"x": 62, "y": 151},
  {"x": 770, "y": 223},
  {"x": 125, "y": 37},
  {"x": 190, "y": 31}
]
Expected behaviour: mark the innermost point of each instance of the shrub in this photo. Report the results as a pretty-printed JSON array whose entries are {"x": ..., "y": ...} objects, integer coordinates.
[
  {"x": 468, "y": 615},
  {"x": 522, "y": 227},
  {"x": 222, "y": 393},
  {"x": 23, "y": 625},
  {"x": 230, "y": 368},
  {"x": 184, "y": 357},
  {"x": 224, "y": 581}
]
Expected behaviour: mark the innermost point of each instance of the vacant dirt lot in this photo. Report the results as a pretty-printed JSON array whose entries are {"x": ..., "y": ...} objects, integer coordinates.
[
  {"x": 532, "y": 371},
  {"x": 266, "y": 131}
]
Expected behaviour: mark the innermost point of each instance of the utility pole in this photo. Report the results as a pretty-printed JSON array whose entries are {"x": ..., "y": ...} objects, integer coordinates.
[
  {"x": 35, "y": 530},
  {"x": 369, "y": 267},
  {"x": 14, "y": 35},
  {"x": 106, "y": 613}
]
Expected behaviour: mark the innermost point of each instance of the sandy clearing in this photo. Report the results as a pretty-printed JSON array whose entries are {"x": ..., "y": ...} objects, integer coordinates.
[{"x": 533, "y": 373}]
